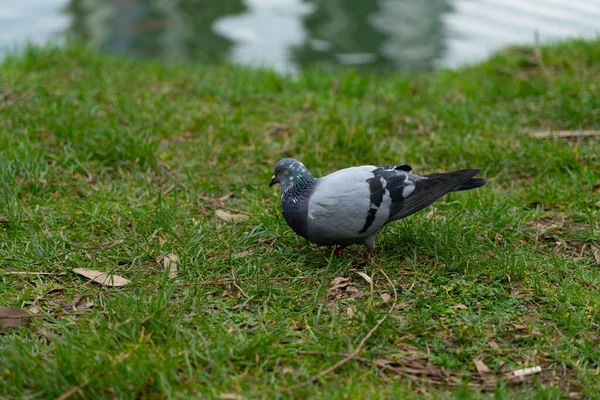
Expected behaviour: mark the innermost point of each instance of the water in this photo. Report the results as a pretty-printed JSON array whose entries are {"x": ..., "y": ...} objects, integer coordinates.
[{"x": 289, "y": 35}]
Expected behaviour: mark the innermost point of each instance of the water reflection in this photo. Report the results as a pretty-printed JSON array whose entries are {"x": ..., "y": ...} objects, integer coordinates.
[
  {"x": 340, "y": 33},
  {"x": 265, "y": 33},
  {"x": 384, "y": 35},
  {"x": 415, "y": 32},
  {"x": 281, "y": 34},
  {"x": 288, "y": 35},
  {"x": 163, "y": 29}
]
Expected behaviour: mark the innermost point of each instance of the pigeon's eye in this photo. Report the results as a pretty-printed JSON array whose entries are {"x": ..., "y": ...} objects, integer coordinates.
[{"x": 278, "y": 170}]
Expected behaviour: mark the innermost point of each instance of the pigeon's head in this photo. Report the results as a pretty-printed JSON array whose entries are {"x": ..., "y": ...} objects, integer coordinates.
[{"x": 288, "y": 170}]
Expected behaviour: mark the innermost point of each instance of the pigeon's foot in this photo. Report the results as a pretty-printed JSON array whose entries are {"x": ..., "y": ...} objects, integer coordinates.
[
  {"x": 339, "y": 249},
  {"x": 369, "y": 254}
]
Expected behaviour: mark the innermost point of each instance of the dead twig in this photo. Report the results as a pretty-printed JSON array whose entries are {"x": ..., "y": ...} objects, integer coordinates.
[
  {"x": 149, "y": 317},
  {"x": 381, "y": 364},
  {"x": 31, "y": 273},
  {"x": 214, "y": 202},
  {"x": 43, "y": 296},
  {"x": 53, "y": 315},
  {"x": 218, "y": 203},
  {"x": 73, "y": 390},
  {"x": 165, "y": 168},
  {"x": 237, "y": 286},
  {"x": 96, "y": 249},
  {"x": 229, "y": 281},
  {"x": 563, "y": 134},
  {"x": 537, "y": 51},
  {"x": 346, "y": 359},
  {"x": 90, "y": 178}
]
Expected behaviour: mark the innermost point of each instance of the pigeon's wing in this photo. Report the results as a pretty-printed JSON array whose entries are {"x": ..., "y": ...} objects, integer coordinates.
[
  {"x": 430, "y": 188},
  {"x": 355, "y": 202}
]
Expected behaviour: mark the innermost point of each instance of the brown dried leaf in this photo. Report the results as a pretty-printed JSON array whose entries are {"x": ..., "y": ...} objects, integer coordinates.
[
  {"x": 341, "y": 288},
  {"x": 339, "y": 283},
  {"x": 385, "y": 297},
  {"x": 290, "y": 371},
  {"x": 459, "y": 307},
  {"x": 170, "y": 262},
  {"x": 35, "y": 309},
  {"x": 81, "y": 303},
  {"x": 367, "y": 278},
  {"x": 482, "y": 369},
  {"x": 493, "y": 344},
  {"x": 519, "y": 373},
  {"x": 350, "y": 312},
  {"x": 518, "y": 327},
  {"x": 353, "y": 292},
  {"x": 230, "y": 396},
  {"x": 229, "y": 217},
  {"x": 102, "y": 278},
  {"x": 596, "y": 253},
  {"x": 12, "y": 317}
]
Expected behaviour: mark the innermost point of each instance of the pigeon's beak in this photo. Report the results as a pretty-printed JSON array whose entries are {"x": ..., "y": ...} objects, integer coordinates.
[{"x": 273, "y": 181}]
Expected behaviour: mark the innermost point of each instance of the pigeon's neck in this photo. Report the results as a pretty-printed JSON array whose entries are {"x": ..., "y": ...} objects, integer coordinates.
[
  {"x": 295, "y": 195},
  {"x": 297, "y": 186}
]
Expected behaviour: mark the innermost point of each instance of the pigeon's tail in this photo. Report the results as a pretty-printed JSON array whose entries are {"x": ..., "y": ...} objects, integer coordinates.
[
  {"x": 436, "y": 186},
  {"x": 472, "y": 183}
]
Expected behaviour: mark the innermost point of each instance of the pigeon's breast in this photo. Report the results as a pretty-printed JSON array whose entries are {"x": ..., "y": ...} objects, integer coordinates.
[{"x": 294, "y": 208}]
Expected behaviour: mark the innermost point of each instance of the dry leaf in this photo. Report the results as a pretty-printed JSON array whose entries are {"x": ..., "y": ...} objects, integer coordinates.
[
  {"x": 12, "y": 317},
  {"x": 102, "y": 278},
  {"x": 230, "y": 396},
  {"x": 367, "y": 278},
  {"x": 35, "y": 309},
  {"x": 460, "y": 307},
  {"x": 385, "y": 297},
  {"x": 350, "y": 312},
  {"x": 596, "y": 253},
  {"x": 81, "y": 303},
  {"x": 229, "y": 217},
  {"x": 341, "y": 288},
  {"x": 482, "y": 369},
  {"x": 339, "y": 283},
  {"x": 290, "y": 371},
  {"x": 493, "y": 344},
  {"x": 170, "y": 261},
  {"x": 524, "y": 372}
]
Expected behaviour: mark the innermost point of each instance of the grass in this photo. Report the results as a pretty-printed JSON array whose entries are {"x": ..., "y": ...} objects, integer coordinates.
[{"x": 108, "y": 163}]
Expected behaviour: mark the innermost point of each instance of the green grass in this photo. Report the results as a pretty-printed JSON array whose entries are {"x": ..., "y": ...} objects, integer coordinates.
[{"x": 96, "y": 150}]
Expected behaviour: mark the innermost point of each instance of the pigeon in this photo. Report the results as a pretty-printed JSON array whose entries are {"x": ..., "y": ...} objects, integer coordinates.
[{"x": 352, "y": 205}]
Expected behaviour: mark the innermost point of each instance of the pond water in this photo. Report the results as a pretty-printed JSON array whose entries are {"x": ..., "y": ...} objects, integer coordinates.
[{"x": 289, "y": 35}]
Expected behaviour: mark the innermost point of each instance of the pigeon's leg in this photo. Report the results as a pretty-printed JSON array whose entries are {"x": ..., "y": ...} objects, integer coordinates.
[
  {"x": 339, "y": 249},
  {"x": 370, "y": 244}
]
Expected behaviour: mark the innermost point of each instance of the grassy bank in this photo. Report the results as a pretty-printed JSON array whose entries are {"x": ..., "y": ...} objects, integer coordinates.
[{"x": 108, "y": 164}]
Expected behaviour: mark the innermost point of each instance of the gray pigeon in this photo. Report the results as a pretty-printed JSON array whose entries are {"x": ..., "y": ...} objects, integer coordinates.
[{"x": 351, "y": 205}]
